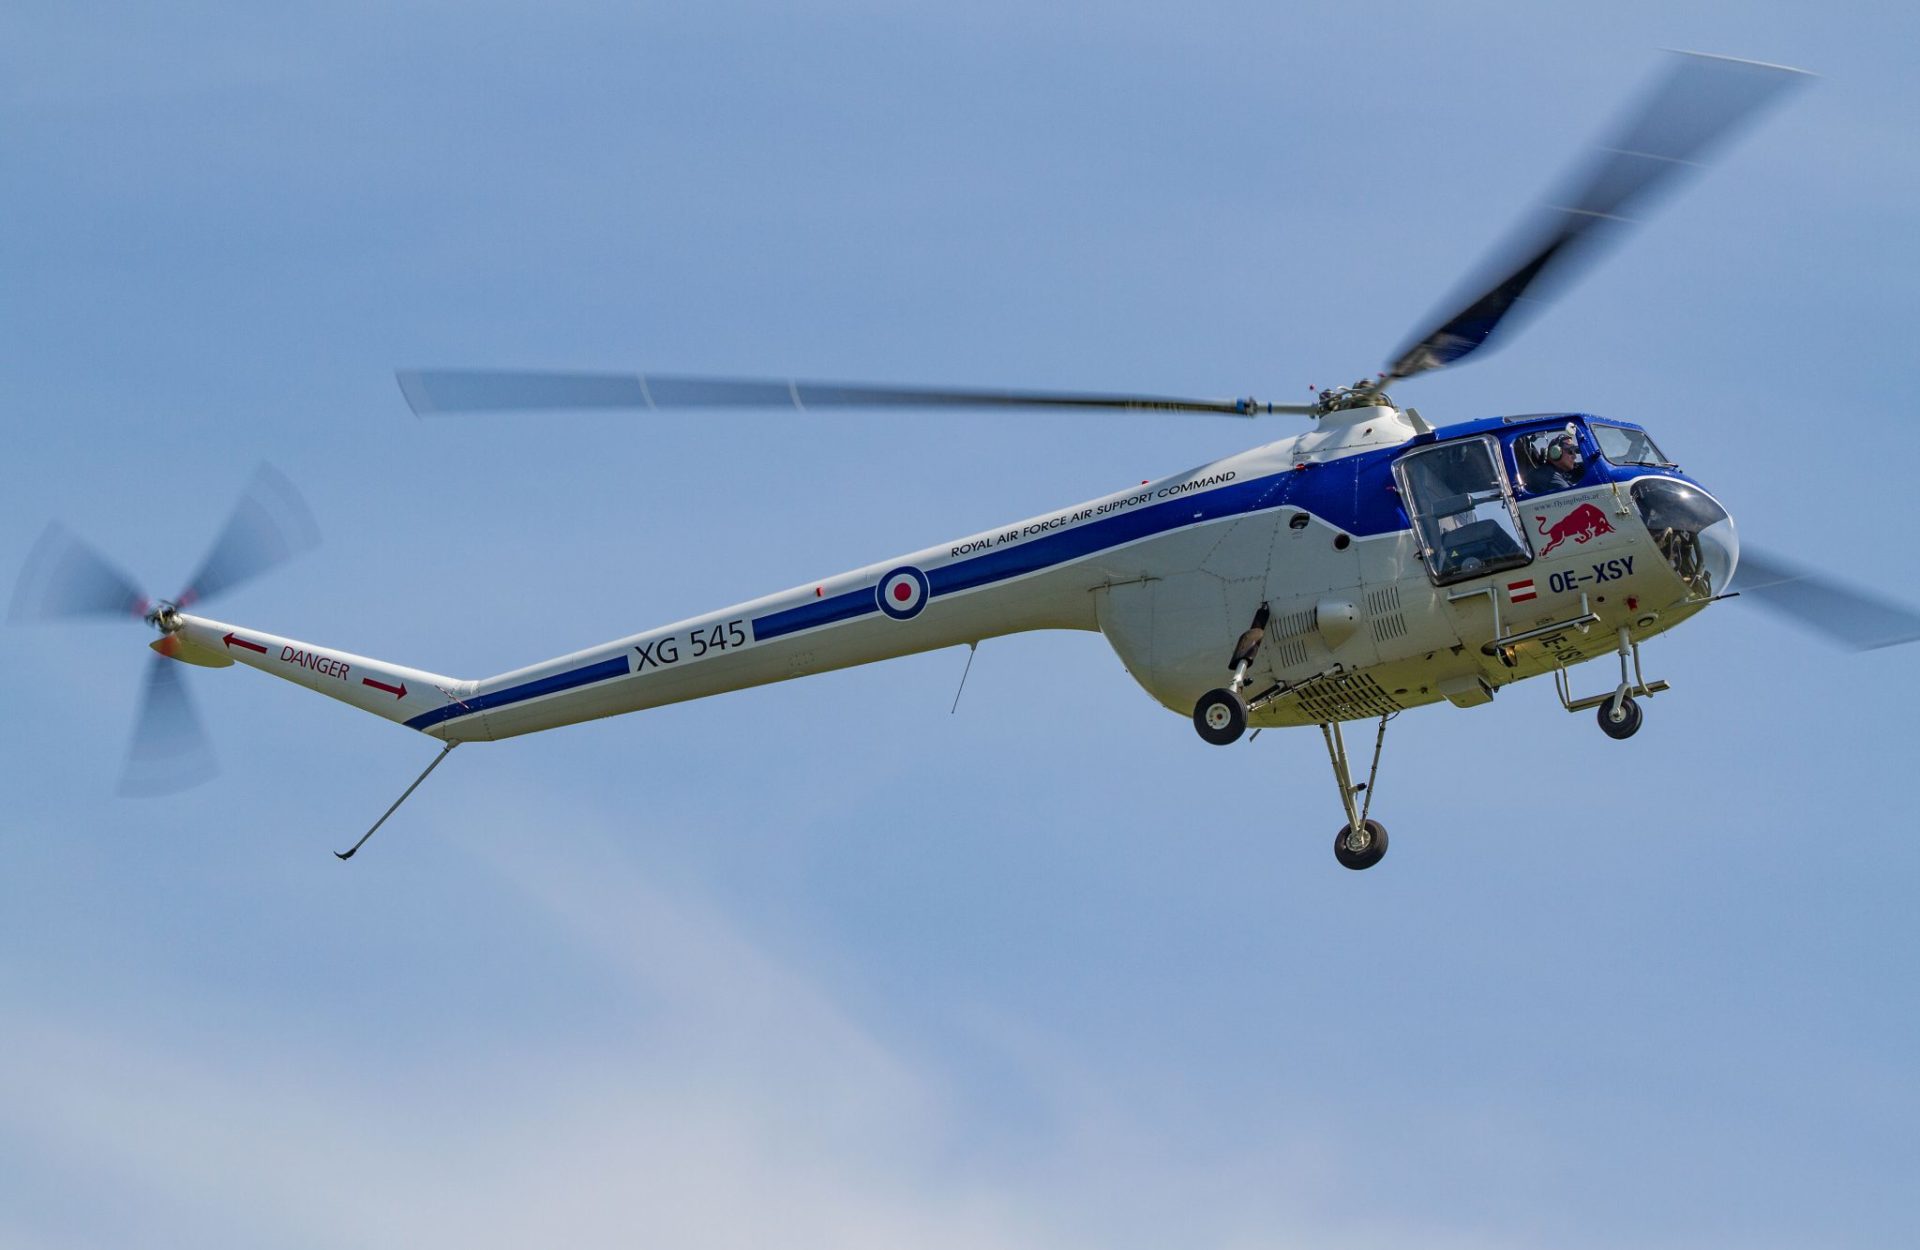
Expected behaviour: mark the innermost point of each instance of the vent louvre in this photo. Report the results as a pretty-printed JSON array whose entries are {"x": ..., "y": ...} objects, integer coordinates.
[
  {"x": 1290, "y": 652},
  {"x": 1383, "y": 608},
  {"x": 1294, "y": 624},
  {"x": 1354, "y": 697}
]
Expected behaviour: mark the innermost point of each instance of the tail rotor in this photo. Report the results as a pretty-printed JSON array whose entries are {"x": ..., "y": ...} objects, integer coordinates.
[
  {"x": 170, "y": 750},
  {"x": 66, "y": 578},
  {"x": 268, "y": 526}
]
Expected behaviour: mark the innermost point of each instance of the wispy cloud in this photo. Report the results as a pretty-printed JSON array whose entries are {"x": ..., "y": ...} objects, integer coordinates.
[
  {"x": 749, "y": 1107},
  {"x": 756, "y": 1113}
]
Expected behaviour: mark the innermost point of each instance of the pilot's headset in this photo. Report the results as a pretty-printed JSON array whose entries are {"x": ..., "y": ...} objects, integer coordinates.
[{"x": 1571, "y": 442}]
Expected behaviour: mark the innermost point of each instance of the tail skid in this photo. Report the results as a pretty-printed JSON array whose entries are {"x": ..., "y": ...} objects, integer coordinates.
[{"x": 404, "y": 795}]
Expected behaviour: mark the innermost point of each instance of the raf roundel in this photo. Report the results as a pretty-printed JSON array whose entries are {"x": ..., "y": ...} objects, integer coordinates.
[{"x": 902, "y": 593}]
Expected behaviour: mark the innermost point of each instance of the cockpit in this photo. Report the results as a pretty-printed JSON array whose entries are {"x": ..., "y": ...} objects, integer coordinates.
[
  {"x": 1560, "y": 457},
  {"x": 1465, "y": 496}
]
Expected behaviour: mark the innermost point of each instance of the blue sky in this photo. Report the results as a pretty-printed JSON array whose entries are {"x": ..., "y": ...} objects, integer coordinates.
[{"x": 821, "y": 964}]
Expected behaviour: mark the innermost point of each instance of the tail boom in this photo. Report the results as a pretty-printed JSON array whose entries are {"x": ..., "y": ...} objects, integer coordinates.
[
  {"x": 735, "y": 649},
  {"x": 1038, "y": 574},
  {"x": 387, "y": 690}
]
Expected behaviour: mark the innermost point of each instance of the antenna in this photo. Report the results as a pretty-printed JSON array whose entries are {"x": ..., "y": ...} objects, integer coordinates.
[{"x": 971, "y": 648}]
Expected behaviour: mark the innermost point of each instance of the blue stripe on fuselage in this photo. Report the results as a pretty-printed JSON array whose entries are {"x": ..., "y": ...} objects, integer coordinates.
[
  {"x": 1031, "y": 556},
  {"x": 1336, "y": 492},
  {"x": 1352, "y": 493},
  {"x": 599, "y": 670},
  {"x": 1115, "y": 531},
  {"x": 842, "y": 607}
]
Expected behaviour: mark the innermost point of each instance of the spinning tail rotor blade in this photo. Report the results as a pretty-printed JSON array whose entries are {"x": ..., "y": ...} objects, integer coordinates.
[
  {"x": 270, "y": 524},
  {"x": 435, "y": 391},
  {"x": 169, "y": 751},
  {"x": 1701, "y": 103},
  {"x": 1852, "y": 618},
  {"x": 67, "y": 577}
]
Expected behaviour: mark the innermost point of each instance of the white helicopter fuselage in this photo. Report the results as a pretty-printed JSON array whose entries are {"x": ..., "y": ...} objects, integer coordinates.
[{"x": 1361, "y": 619}]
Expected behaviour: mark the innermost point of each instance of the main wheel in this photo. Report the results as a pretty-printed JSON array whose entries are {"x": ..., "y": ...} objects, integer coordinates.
[
  {"x": 1362, "y": 848},
  {"x": 1220, "y": 717},
  {"x": 1628, "y": 723}
]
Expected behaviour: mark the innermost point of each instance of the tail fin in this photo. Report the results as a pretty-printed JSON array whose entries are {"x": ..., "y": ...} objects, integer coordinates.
[{"x": 387, "y": 690}]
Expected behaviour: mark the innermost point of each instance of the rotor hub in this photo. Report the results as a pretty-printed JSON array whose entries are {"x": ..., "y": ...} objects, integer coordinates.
[{"x": 1366, "y": 393}]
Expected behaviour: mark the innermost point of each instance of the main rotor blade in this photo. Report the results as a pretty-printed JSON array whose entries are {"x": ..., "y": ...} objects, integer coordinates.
[
  {"x": 1852, "y": 618},
  {"x": 1701, "y": 103},
  {"x": 270, "y": 525},
  {"x": 64, "y": 576},
  {"x": 170, "y": 750},
  {"x": 434, "y": 391}
]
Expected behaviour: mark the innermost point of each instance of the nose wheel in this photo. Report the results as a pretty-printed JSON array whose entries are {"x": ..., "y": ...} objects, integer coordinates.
[
  {"x": 1620, "y": 718},
  {"x": 1618, "y": 710}
]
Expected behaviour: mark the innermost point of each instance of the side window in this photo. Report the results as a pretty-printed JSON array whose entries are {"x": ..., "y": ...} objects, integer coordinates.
[
  {"x": 1549, "y": 460},
  {"x": 1624, "y": 446},
  {"x": 1461, "y": 510}
]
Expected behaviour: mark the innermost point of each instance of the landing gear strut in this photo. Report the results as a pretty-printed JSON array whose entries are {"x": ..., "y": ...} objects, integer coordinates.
[
  {"x": 1362, "y": 843},
  {"x": 1221, "y": 714},
  {"x": 1619, "y": 714}
]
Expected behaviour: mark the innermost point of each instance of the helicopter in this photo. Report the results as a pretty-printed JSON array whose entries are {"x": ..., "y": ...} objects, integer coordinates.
[{"x": 1374, "y": 563}]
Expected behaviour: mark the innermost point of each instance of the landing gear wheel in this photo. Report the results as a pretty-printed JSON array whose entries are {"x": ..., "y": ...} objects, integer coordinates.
[
  {"x": 1220, "y": 717},
  {"x": 1363, "y": 848},
  {"x": 1629, "y": 722}
]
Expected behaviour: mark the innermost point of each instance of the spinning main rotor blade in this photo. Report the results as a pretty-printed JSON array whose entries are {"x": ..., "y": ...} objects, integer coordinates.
[
  {"x": 270, "y": 525},
  {"x": 1853, "y": 618},
  {"x": 1700, "y": 104},
  {"x": 67, "y": 577},
  {"x": 170, "y": 750},
  {"x": 433, "y": 391}
]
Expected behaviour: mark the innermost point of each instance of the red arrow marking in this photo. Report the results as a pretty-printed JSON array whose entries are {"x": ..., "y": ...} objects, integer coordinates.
[
  {"x": 398, "y": 692},
  {"x": 233, "y": 641}
]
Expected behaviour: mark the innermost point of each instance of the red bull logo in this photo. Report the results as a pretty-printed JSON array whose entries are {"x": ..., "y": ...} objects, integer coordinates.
[{"x": 1583, "y": 523}]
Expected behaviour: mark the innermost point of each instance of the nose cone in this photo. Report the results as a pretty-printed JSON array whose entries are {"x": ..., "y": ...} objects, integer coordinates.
[
  {"x": 1720, "y": 551},
  {"x": 1692, "y": 530}
]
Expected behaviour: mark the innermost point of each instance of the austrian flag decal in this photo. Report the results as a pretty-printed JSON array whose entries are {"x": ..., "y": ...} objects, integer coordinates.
[
  {"x": 902, "y": 593},
  {"x": 1520, "y": 592}
]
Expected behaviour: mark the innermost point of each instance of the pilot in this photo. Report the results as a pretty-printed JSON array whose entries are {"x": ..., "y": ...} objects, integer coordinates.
[{"x": 1565, "y": 466}]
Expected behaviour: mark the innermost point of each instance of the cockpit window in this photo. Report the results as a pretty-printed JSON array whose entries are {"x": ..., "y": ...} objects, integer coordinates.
[
  {"x": 1624, "y": 446},
  {"x": 1550, "y": 460},
  {"x": 1461, "y": 508}
]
